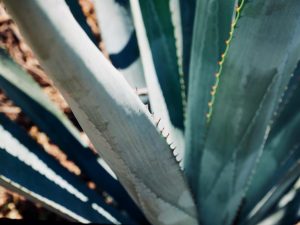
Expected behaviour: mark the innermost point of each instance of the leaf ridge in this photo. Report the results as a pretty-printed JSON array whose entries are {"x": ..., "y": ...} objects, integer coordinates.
[{"x": 223, "y": 56}]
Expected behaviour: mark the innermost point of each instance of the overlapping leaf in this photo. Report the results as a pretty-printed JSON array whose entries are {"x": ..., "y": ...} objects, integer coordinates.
[
  {"x": 108, "y": 110},
  {"x": 187, "y": 11},
  {"x": 281, "y": 149},
  {"x": 255, "y": 72},
  {"x": 26, "y": 93},
  {"x": 160, "y": 33},
  {"x": 29, "y": 170},
  {"x": 158, "y": 103},
  {"x": 81, "y": 19},
  {"x": 211, "y": 29},
  {"x": 120, "y": 39},
  {"x": 283, "y": 192}
]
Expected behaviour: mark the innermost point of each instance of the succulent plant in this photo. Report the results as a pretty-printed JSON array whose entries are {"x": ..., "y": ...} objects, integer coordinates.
[{"x": 216, "y": 139}]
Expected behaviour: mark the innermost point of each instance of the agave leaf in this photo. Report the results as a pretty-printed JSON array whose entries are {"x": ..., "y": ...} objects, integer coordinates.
[
  {"x": 81, "y": 19},
  {"x": 211, "y": 29},
  {"x": 286, "y": 211},
  {"x": 13, "y": 74},
  {"x": 174, "y": 8},
  {"x": 288, "y": 214},
  {"x": 291, "y": 209},
  {"x": 281, "y": 151},
  {"x": 187, "y": 12},
  {"x": 26, "y": 93},
  {"x": 288, "y": 106},
  {"x": 24, "y": 163},
  {"x": 254, "y": 75},
  {"x": 157, "y": 19},
  {"x": 120, "y": 39},
  {"x": 290, "y": 179},
  {"x": 270, "y": 176},
  {"x": 107, "y": 109},
  {"x": 157, "y": 101}
]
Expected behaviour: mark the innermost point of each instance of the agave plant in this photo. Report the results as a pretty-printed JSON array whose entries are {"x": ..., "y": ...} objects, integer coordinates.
[{"x": 218, "y": 142}]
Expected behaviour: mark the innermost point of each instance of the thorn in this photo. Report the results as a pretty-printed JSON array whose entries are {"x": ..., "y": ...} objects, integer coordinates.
[
  {"x": 158, "y": 122},
  {"x": 179, "y": 160},
  {"x": 238, "y": 8},
  {"x": 172, "y": 146}
]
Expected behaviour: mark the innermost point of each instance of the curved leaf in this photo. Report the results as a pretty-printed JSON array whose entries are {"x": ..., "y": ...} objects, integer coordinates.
[
  {"x": 290, "y": 179},
  {"x": 254, "y": 74},
  {"x": 81, "y": 19},
  {"x": 187, "y": 9},
  {"x": 26, "y": 167},
  {"x": 107, "y": 109},
  {"x": 280, "y": 152},
  {"x": 157, "y": 20},
  {"x": 157, "y": 102},
  {"x": 211, "y": 29},
  {"x": 120, "y": 39},
  {"x": 288, "y": 107},
  {"x": 26, "y": 93}
]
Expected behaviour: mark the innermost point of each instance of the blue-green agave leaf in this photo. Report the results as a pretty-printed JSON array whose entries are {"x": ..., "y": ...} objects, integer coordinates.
[
  {"x": 12, "y": 73},
  {"x": 287, "y": 214},
  {"x": 280, "y": 152},
  {"x": 160, "y": 31},
  {"x": 187, "y": 12},
  {"x": 120, "y": 39},
  {"x": 211, "y": 29},
  {"x": 255, "y": 70},
  {"x": 108, "y": 110},
  {"x": 22, "y": 89},
  {"x": 158, "y": 105},
  {"x": 290, "y": 208},
  {"x": 31, "y": 171},
  {"x": 286, "y": 188},
  {"x": 288, "y": 105},
  {"x": 77, "y": 12}
]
